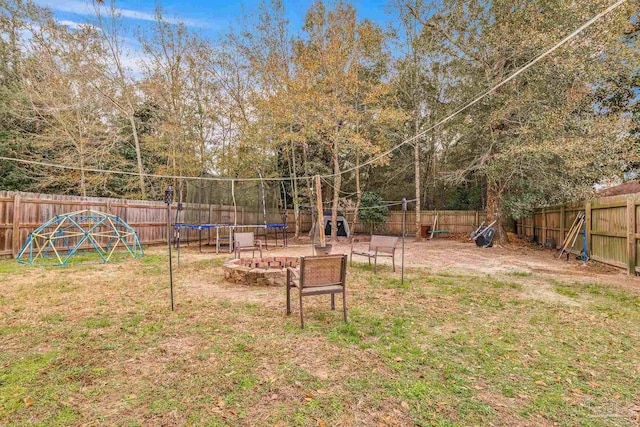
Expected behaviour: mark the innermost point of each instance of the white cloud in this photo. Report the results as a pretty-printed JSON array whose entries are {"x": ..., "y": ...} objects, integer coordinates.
[
  {"x": 86, "y": 8},
  {"x": 74, "y": 25}
]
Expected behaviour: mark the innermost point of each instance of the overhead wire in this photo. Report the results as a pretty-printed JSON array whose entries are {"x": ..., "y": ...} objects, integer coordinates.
[{"x": 372, "y": 160}]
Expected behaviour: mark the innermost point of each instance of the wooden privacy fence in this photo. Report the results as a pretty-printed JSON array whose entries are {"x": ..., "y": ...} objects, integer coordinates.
[
  {"x": 457, "y": 222},
  {"x": 21, "y": 213},
  {"x": 611, "y": 228}
]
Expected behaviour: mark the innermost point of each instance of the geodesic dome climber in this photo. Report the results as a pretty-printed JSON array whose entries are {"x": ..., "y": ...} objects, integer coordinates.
[{"x": 66, "y": 235}]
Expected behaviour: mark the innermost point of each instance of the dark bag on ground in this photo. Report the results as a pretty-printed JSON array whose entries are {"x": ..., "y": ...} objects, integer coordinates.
[{"x": 485, "y": 237}]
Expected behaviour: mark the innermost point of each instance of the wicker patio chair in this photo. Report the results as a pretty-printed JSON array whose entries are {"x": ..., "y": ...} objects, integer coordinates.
[
  {"x": 318, "y": 275},
  {"x": 246, "y": 242},
  {"x": 380, "y": 246}
]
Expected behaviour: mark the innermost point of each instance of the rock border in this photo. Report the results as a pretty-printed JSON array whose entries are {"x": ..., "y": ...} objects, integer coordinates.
[{"x": 267, "y": 271}]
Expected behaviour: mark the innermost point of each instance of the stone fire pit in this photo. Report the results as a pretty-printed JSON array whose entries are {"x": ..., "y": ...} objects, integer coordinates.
[{"x": 269, "y": 271}]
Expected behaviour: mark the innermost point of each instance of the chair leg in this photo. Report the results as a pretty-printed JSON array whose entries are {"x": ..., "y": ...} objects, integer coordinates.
[
  {"x": 351, "y": 260},
  {"x": 375, "y": 264},
  {"x": 333, "y": 302},
  {"x": 344, "y": 305},
  {"x": 393, "y": 262},
  {"x": 301, "y": 314},
  {"x": 288, "y": 292},
  {"x": 260, "y": 252}
]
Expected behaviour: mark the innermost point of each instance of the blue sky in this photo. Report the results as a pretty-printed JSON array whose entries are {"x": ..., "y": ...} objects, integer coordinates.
[{"x": 210, "y": 17}]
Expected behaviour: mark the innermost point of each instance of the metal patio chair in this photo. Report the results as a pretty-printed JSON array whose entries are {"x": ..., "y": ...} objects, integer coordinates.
[
  {"x": 379, "y": 246},
  {"x": 246, "y": 242},
  {"x": 318, "y": 275}
]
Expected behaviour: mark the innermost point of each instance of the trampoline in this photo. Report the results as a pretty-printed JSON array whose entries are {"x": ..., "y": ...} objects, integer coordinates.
[
  {"x": 220, "y": 208},
  {"x": 228, "y": 230}
]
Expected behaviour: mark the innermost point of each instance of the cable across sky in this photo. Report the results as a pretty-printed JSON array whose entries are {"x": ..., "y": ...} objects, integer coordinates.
[{"x": 372, "y": 160}]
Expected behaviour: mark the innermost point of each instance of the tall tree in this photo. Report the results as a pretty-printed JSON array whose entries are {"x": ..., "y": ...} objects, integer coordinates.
[
  {"x": 73, "y": 123},
  {"x": 419, "y": 86},
  {"x": 507, "y": 138},
  {"x": 120, "y": 91}
]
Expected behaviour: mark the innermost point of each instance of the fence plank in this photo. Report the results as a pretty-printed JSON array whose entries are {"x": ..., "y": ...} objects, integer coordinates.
[
  {"x": 562, "y": 226},
  {"x": 544, "y": 227},
  {"x": 588, "y": 225},
  {"x": 631, "y": 237},
  {"x": 15, "y": 244}
]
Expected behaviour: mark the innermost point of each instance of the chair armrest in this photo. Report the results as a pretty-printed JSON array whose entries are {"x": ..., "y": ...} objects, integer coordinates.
[
  {"x": 295, "y": 273},
  {"x": 385, "y": 249}
]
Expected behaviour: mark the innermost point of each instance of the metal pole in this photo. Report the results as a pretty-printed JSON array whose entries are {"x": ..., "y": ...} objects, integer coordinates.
[
  {"x": 404, "y": 224},
  {"x": 264, "y": 211},
  {"x": 168, "y": 198},
  {"x": 178, "y": 230}
]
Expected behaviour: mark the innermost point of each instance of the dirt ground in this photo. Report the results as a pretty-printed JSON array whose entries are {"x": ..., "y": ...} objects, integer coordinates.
[{"x": 461, "y": 256}]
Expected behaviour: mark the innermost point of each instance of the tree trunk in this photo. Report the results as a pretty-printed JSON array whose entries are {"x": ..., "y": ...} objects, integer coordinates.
[
  {"x": 296, "y": 202},
  {"x": 354, "y": 223},
  {"x": 494, "y": 210},
  {"x": 83, "y": 182},
  {"x": 336, "y": 194},
  {"x": 136, "y": 142},
  {"x": 416, "y": 161},
  {"x": 305, "y": 165}
]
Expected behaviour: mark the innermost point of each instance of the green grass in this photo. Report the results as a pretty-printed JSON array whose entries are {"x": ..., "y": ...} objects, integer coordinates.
[
  {"x": 520, "y": 273},
  {"x": 84, "y": 346}
]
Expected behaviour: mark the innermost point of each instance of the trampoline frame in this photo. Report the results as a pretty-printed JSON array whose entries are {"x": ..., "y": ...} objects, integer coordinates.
[{"x": 231, "y": 229}]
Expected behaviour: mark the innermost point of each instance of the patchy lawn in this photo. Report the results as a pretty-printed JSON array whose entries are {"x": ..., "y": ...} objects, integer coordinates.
[{"x": 97, "y": 345}]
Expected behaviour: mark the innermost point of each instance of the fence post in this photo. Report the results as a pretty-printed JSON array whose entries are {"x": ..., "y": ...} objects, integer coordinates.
[
  {"x": 534, "y": 238},
  {"x": 587, "y": 214},
  {"x": 544, "y": 227},
  {"x": 631, "y": 237},
  {"x": 562, "y": 221},
  {"x": 15, "y": 242}
]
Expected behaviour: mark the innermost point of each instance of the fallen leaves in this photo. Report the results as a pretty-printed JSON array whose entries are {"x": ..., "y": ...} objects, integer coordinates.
[{"x": 220, "y": 403}]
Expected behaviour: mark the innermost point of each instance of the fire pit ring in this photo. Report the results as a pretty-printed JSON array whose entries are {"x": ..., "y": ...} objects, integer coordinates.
[{"x": 269, "y": 271}]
